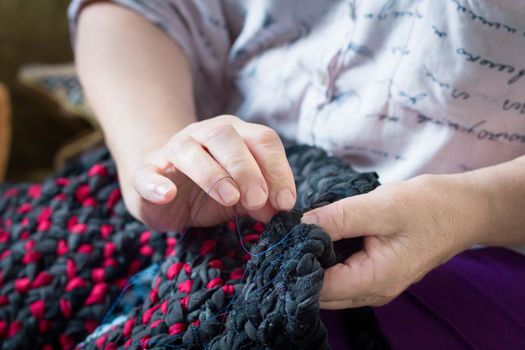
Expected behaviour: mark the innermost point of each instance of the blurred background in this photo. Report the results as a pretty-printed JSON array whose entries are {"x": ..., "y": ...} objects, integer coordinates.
[{"x": 43, "y": 118}]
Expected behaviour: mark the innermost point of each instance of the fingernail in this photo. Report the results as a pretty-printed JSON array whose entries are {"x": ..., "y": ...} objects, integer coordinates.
[
  {"x": 310, "y": 219},
  {"x": 256, "y": 197},
  {"x": 228, "y": 192},
  {"x": 285, "y": 199},
  {"x": 162, "y": 189}
]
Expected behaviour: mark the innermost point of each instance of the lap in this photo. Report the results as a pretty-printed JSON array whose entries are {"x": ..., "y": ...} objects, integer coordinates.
[{"x": 474, "y": 301}]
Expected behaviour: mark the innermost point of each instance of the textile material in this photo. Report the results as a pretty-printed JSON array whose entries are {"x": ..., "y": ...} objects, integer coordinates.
[
  {"x": 474, "y": 301},
  {"x": 402, "y": 88},
  {"x": 276, "y": 305},
  {"x": 68, "y": 246},
  {"x": 369, "y": 81}
]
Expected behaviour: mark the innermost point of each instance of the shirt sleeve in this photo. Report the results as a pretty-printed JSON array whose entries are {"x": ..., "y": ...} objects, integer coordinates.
[{"x": 201, "y": 30}]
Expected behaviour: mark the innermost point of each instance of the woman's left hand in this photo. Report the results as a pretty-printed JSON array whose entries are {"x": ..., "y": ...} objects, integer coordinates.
[{"x": 409, "y": 228}]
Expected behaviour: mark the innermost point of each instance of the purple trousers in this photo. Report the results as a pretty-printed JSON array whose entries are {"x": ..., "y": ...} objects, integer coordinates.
[{"x": 474, "y": 301}]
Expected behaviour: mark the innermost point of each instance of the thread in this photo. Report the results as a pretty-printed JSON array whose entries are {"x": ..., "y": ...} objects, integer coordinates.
[
  {"x": 205, "y": 289},
  {"x": 155, "y": 267}
]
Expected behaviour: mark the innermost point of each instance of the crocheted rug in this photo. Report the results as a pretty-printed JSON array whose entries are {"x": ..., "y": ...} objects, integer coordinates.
[{"x": 68, "y": 247}]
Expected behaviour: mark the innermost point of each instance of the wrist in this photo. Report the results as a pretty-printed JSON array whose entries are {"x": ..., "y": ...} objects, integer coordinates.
[
  {"x": 503, "y": 191},
  {"x": 460, "y": 208},
  {"x": 474, "y": 204},
  {"x": 131, "y": 147}
]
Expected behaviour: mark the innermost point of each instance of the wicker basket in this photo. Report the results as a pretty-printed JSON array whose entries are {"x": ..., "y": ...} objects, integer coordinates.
[{"x": 5, "y": 130}]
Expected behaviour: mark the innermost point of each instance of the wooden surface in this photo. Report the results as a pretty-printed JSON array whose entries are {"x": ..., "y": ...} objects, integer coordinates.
[
  {"x": 33, "y": 31},
  {"x": 5, "y": 130}
]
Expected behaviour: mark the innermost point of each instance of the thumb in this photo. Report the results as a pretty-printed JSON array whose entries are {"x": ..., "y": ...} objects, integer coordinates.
[
  {"x": 350, "y": 217},
  {"x": 152, "y": 186}
]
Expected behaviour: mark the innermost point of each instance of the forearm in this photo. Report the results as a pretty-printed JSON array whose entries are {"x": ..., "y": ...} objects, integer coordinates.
[
  {"x": 136, "y": 79},
  {"x": 502, "y": 188}
]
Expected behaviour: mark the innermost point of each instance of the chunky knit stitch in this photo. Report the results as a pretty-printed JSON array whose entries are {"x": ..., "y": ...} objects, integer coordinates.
[{"x": 68, "y": 246}]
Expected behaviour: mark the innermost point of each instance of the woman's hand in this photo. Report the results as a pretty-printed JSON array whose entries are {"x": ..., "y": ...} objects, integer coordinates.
[
  {"x": 237, "y": 163},
  {"x": 139, "y": 83},
  {"x": 409, "y": 228}
]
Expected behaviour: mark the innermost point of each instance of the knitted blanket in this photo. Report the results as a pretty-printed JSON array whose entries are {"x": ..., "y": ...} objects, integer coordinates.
[{"x": 68, "y": 247}]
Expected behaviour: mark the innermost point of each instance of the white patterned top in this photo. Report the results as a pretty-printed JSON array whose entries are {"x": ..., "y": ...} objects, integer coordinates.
[{"x": 400, "y": 87}]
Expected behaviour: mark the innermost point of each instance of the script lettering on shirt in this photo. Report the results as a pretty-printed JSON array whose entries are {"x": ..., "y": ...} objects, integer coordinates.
[
  {"x": 374, "y": 151},
  {"x": 458, "y": 94},
  {"x": 455, "y": 93},
  {"x": 384, "y": 117},
  {"x": 517, "y": 77},
  {"x": 438, "y": 32},
  {"x": 413, "y": 99},
  {"x": 518, "y": 106},
  {"x": 500, "y": 67},
  {"x": 431, "y": 76},
  {"x": 482, "y": 20},
  {"x": 402, "y": 50},
  {"x": 480, "y": 133},
  {"x": 388, "y": 11}
]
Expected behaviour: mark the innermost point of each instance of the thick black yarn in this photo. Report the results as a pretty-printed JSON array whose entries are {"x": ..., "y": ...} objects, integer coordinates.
[
  {"x": 277, "y": 303},
  {"x": 279, "y": 306},
  {"x": 208, "y": 293}
]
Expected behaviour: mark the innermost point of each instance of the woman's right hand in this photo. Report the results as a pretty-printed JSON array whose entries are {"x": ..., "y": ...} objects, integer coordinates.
[
  {"x": 234, "y": 162},
  {"x": 139, "y": 84}
]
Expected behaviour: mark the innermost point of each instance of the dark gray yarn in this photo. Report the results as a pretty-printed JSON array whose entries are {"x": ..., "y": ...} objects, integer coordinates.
[
  {"x": 279, "y": 306},
  {"x": 276, "y": 305},
  {"x": 208, "y": 292},
  {"x": 60, "y": 241}
]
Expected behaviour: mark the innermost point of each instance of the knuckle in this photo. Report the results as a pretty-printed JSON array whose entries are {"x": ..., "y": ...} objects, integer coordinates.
[
  {"x": 342, "y": 211},
  {"x": 279, "y": 180},
  {"x": 210, "y": 179},
  {"x": 244, "y": 173},
  {"x": 267, "y": 136},
  {"x": 182, "y": 149},
  {"x": 276, "y": 167},
  {"x": 227, "y": 118},
  {"x": 279, "y": 170},
  {"x": 175, "y": 144},
  {"x": 220, "y": 132},
  {"x": 238, "y": 166},
  {"x": 337, "y": 217}
]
